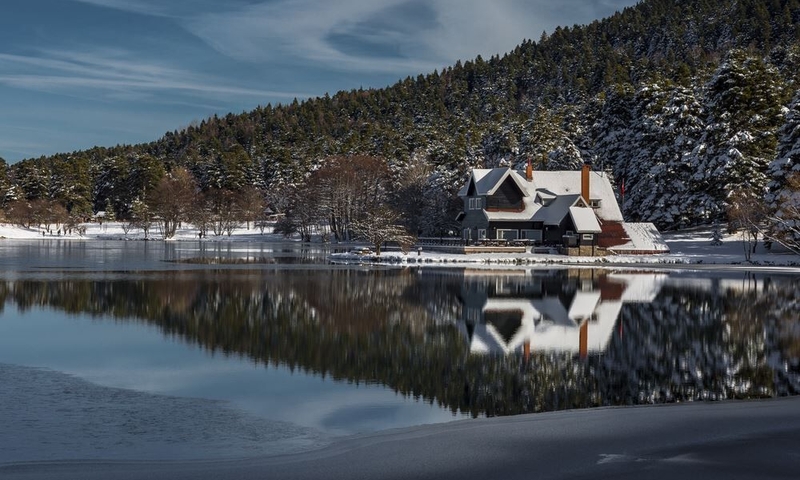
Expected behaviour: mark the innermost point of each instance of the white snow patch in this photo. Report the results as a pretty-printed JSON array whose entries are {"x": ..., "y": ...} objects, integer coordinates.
[{"x": 643, "y": 237}]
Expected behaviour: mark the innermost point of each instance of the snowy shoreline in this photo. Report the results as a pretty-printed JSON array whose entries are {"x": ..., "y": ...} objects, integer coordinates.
[
  {"x": 693, "y": 440},
  {"x": 689, "y": 249},
  {"x": 528, "y": 260}
]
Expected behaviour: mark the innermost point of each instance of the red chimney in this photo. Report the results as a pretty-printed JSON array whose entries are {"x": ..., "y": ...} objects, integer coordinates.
[
  {"x": 585, "y": 181},
  {"x": 529, "y": 171}
]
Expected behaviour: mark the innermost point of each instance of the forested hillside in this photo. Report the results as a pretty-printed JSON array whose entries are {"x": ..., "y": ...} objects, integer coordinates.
[{"x": 686, "y": 102}]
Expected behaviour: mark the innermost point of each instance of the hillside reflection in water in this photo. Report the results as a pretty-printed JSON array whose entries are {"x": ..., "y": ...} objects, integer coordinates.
[{"x": 486, "y": 343}]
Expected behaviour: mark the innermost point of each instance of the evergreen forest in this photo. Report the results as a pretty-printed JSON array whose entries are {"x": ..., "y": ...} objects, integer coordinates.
[{"x": 688, "y": 104}]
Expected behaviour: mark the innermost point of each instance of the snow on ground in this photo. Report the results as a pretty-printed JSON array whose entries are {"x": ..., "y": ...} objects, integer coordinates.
[
  {"x": 644, "y": 237},
  {"x": 688, "y": 247},
  {"x": 115, "y": 231},
  {"x": 693, "y": 246}
]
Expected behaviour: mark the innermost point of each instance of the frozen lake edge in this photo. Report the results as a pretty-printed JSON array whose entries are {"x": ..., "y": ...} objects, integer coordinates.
[{"x": 730, "y": 439}]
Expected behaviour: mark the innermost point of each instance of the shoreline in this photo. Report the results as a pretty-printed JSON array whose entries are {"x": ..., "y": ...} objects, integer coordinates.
[
  {"x": 666, "y": 261},
  {"x": 778, "y": 263},
  {"x": 726, "y": 439}
]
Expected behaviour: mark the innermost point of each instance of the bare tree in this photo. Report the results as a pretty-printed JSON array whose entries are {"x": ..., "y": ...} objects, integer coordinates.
[
  {"x": 19, "y": 212},
  {"x": 201, "y": 215},
  {"x": 141, "y": 216},
  {"x": 73, "y": 222},
  {"x": 172, "y": 200},
  {"x": 381, "y": 225},
  {"x": 784, "y": 222},
  {"x": 225, "y": 209},
  {"x": 746, "y": 213},
  {"x": 251, "y": 204},
  {"x": 347, "y": 188}
]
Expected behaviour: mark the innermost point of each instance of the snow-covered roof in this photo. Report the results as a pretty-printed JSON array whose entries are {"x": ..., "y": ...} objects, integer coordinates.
[
  {"x": 585, "y": 220},
  {"x": 569, "y": 182},
  {"x": 487, "y": 181},
  {"x": 525, "y": 214},
  {"x": 545, "y": 194},
  {"x": 548, "y": 185},
  {"x": 555, "y": 212}
]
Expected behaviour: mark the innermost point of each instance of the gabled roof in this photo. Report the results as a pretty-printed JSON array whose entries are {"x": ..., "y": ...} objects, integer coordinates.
[
  {"x": 487, "y": 181},
  {"x": 529, "y": 210},
  {"x": 585, "y": 220},
  {"x": 548, "y": 185},
  {"x": 569, "y": 182},
  {"x": 555, "y": 212},
  {"x": 545, "y": 194}
]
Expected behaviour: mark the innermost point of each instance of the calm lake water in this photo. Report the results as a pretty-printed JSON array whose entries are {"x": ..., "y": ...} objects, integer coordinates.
[{"x": 152, "y": 350}]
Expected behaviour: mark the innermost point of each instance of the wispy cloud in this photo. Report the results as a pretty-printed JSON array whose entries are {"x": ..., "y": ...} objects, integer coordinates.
[
  {"x": 162, "y": 8},
  {"x": 136, "y": 6},
  {"x": 368, "y": 36},
  {"x": 114, "y": 73},
  {"x": 299, "y": 32},
  {"x": 430, "y": 35}
]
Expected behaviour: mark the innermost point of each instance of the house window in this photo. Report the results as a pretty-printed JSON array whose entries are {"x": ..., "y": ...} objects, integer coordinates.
[
  {"x": 587, "y": 236},
  {"x": 594, "y": 203},
  {"x": 481, "y": 234},
  {"x": 535, "y": 235},
  {"x": 475, "y": 203},
  {"x": 467, "y": 234},
  {"x": 507, "y": 234}
]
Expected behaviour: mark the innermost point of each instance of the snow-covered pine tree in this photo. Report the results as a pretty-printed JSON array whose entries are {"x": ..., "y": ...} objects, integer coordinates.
[
  {"x": 547, "y": 141},
  {"x": 783, "y": 196},
  {"x": 671, "y": 127},
  {"x": 744, "y": 102},
  {"x": 611, "y": 136},
  {"x": 788, "y": 152}
]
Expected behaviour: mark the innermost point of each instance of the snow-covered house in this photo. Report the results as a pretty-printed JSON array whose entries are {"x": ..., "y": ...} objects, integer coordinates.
[{"x": 575, "y": 209}]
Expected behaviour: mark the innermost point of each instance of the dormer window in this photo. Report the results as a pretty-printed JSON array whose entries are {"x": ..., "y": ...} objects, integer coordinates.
[
  {"x": 544, "y": 199},
  {"x": 475, "y": 203},
  {"x": 595, "y": 203}
]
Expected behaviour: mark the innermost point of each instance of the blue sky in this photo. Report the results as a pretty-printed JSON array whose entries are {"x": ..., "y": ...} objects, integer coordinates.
[{"x": 80, "y": 73}]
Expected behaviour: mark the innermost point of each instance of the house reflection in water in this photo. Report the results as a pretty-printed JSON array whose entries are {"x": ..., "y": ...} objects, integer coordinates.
[{"x": 548, "y": 310}]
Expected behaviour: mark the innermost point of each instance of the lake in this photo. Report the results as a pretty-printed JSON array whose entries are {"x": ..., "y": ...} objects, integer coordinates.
[{"x": 182, "y": 350}]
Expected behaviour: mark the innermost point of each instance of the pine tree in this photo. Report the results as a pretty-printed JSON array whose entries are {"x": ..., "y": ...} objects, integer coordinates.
[
  {"x": 672, "y": 125},
  {"x": 744, "y": 111}
]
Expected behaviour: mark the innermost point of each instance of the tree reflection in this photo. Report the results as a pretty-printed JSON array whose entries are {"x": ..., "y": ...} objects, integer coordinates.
[{"x": 477, "y": 342}]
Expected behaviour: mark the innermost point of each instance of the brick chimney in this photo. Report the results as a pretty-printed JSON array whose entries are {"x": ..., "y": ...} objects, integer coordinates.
[
  {"x": 585, "y": 181},
  {"x": 529, "y": 171}
]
